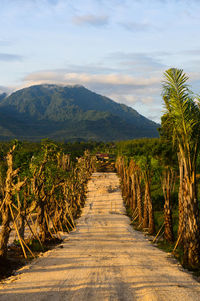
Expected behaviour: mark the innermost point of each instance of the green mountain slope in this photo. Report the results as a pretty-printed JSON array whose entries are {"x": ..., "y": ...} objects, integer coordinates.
[
  {"x": 2, "y": 96},
  {"x": 69, "y": 113}
]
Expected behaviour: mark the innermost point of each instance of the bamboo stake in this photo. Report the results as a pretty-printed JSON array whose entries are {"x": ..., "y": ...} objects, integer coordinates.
[
  {"x": 135, "y": 212},
  {"x": 28, "y": 247},
  {"x": 140, "y": 225},
  {"x": 160, "y": 236},
  {"x": 69, "y": 223},
  {"x": 17, "y": 210},
  {"x": 3, "y": 204},
  {"x": 158, "y": 232},
  {"x": 65, "y": 225},
  {"x": 55, "y": 228},
  {"x": 134, "y": 219},
  {"x": 71, "y": 217},
  {"x": 61, "y": 227},
  {"x": 45, "y": 214},
  {"x": 35, "y": 226},
  {"x": 177, "y": 242},
  {"x": 34, "y": 235},
  {"x": 20, "y": 240}
]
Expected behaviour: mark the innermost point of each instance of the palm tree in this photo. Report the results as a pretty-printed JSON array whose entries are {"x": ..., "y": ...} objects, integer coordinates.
[
  {"x": 182, "y": 123},
  {"x": 167, "y": 180},
  {"x": 145, "y": 163},
  {"x": 133, "y": 193},
  {"x": 166, "y": 169}
]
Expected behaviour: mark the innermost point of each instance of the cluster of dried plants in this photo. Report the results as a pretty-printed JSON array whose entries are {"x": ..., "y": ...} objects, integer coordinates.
[{"x": 45, "y": 199}]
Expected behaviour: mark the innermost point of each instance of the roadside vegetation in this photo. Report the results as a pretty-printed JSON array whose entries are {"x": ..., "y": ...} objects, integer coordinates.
[
  {"x": 160, "y": 176},
  {"x": 42, "y": 191}
]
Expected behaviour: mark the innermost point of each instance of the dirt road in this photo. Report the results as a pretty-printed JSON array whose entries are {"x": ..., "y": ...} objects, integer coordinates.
[{"x": 104, "y": 259}]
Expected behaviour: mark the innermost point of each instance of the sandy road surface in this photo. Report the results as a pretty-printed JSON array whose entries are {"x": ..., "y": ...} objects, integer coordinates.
[{"x": 104, "y": 259}]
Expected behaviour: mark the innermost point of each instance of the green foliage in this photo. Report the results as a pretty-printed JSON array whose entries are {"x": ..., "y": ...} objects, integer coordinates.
[
  {"x": 157, "y": 148},
  {"x": 181, "y": 121},
  {"x": 77, "y": 149}
]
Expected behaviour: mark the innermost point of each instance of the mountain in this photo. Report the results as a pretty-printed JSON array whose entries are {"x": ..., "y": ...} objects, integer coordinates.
[
  {"x": 2, "y": 96},
  {"x": 69, "y": 113}
]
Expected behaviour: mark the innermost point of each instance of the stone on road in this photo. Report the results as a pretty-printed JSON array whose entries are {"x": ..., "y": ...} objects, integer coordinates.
[{"x": 104, "y": 259}]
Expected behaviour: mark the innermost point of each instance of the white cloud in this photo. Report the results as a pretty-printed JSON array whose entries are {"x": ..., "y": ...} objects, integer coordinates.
[
  {"x": 136, "y": 27},
  {"x": 5, "y": 90},
  {"x": 85, "y": 78},
  {"x": 4, "y": 42},
  {"x": 93, "y": 20},
  {"x": 7, "y": 57},
  {"x": 138, "y": 61}
]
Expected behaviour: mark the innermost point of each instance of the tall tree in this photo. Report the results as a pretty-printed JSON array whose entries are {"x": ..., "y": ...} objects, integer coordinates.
[{"x": 182, "y": 122}]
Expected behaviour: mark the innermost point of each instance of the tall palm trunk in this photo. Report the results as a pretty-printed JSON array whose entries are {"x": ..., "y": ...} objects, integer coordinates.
[
  {"x": 146, "y": 209},
  {"x": 139, "y": 196},
  {"x": 180, "y": 198},
  {"x": 126, "y": 186},
  {"x": 191, "y": 231},
  {"x": 168, "y": 234},
  {"x": 148, "y": 221},
  {"x": 167, "y": 186},
  {"x": 133, "y": 192},
  {"x": 151, "y": 225}
]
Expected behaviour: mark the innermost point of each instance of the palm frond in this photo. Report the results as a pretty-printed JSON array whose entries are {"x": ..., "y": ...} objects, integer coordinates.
[{"x": 183, "y": 113}]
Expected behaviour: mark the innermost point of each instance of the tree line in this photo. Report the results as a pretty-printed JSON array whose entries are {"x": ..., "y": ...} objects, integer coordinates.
[{"x": 175, "y": 156}]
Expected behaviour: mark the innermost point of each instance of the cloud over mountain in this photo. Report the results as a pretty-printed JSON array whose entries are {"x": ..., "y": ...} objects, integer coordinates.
[
  {"x": 122, "y": 88},
  {"x": 106, "y": 79}
]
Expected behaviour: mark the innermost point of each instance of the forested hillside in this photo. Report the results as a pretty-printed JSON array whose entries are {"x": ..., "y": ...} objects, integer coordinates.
[{"x": 69, "y": 113}]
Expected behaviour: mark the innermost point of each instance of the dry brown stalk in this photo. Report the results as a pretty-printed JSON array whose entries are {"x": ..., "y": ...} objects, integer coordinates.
[
  {"x": 159, "y": 232},
  {"x": 10, "y": 189},
  {"x": 20, "y": 239}
]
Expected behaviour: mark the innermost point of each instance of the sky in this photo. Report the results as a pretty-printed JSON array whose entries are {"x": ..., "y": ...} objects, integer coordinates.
[{"x": 117, "y": 48}]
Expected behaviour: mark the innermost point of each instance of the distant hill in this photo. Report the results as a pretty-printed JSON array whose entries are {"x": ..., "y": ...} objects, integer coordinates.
[
  {"x": 2, "y": 96},
  {"x": 69, "y": 113}
]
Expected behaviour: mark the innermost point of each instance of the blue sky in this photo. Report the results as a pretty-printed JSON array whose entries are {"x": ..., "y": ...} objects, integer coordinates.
[{"x": 116, "y": 48}]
